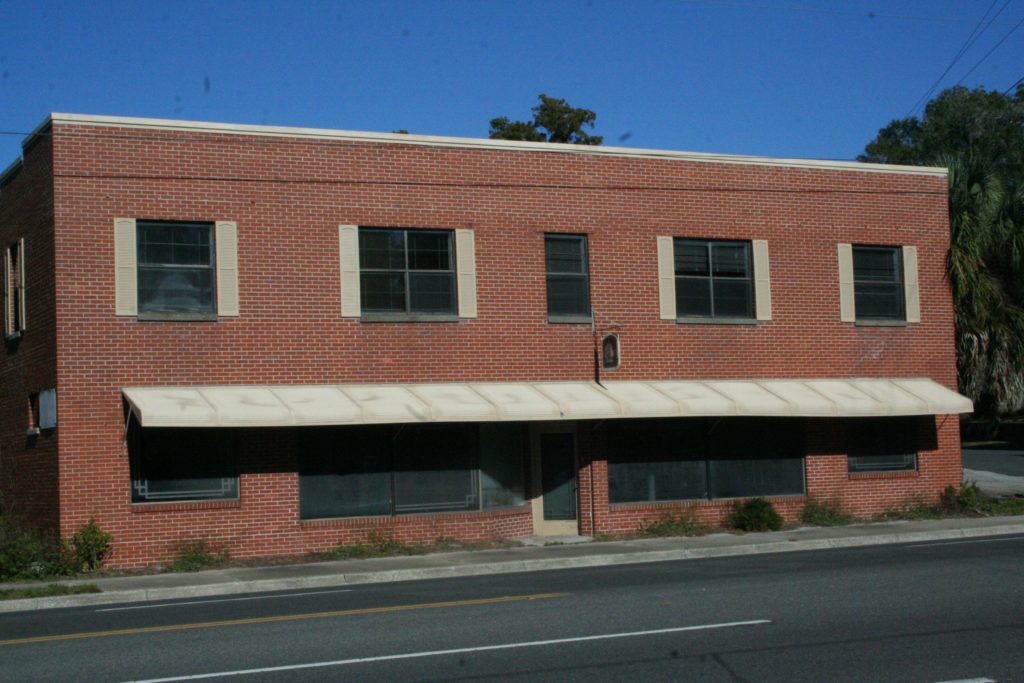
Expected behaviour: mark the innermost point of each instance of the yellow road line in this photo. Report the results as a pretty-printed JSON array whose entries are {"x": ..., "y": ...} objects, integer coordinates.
[{"x": 281, "y": 618}]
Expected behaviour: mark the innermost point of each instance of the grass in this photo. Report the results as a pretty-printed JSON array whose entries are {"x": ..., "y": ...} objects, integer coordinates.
[{"x": 47, "y": 591}]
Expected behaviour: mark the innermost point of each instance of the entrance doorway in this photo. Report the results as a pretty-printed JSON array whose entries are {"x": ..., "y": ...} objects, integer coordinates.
[{"x": 554, "y": 481}]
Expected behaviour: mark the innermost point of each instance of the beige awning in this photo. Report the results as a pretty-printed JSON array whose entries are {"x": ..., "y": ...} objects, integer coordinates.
[{"x": 351, "y": 404}]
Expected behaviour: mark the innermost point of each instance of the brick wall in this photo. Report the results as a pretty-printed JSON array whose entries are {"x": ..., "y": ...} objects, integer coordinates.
[
  {"x": 289, "y": 195},
  {"x": 28, "y": 464}
]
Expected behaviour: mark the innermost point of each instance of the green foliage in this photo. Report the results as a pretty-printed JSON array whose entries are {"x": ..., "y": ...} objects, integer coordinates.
[
  {"x": 47, "y": 591},
  {"x": 377, "y": 544},
  {"x": 979, "y": 136},
  {"x": 824, "y": 513},
  {"x": 554, "y": 120},
  {"x": 681, "y": 523},
  {"x": 756, "y": 514},
  {"x": 196, "y": 555},
  {"x": 89, "y": 547}
]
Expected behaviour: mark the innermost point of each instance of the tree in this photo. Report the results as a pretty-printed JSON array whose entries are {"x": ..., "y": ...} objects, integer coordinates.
[
  {"x": 979, "y": 136},
  {"x": 553, "y": 121}
]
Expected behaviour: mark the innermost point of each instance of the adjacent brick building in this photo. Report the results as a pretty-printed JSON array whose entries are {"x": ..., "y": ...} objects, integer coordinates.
[{"x": 279, "y": 340}]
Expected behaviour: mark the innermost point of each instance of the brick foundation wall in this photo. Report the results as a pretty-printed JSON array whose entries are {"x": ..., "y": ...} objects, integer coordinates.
[{"x": 288, "y": 196}]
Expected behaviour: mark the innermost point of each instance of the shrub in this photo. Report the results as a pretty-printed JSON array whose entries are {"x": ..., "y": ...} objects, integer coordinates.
[
  {"x": 824, "y": 513},
  {"x": 27, "y": 553},
  {"x": 195, "y": 555},
  {"x": 89, "y": 547},
  {"x": 756, "y": 514},
  {"x": 681, "y": 523}
]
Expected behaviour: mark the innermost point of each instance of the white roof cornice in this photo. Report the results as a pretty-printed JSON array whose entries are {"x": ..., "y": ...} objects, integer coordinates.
[{"x": 171, "y": 125}]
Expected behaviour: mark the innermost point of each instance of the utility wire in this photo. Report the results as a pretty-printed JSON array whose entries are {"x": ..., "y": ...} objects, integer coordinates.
[
  {"x": 994, "y": 47},
  {"x": 971, "y": 39},
  {"x": 1015, "y": 84}
]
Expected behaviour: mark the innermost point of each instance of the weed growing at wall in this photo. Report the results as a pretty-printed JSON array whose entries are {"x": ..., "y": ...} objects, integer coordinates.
[
  {"x": 679, "y": 523},
  {"x": 196, "y": 555},
  {"x": 825, "y": 513},
  {"x": 756, "y": 514}
]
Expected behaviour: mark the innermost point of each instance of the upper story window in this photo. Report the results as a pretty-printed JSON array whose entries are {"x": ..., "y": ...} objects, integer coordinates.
[
  {"x": 878, "y": 283},
  {"x": 175, "y": 267},
  {"x": 714, "y": 279},
  {"x": 406, "y": 272},
  {"x": 568, "y": 281},
  {"x": 175, "y": 270},
  {"x": 14, "y": 289}
]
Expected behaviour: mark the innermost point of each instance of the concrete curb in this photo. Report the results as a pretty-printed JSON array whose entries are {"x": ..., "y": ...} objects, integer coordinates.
[{"x": 500, "y": 567}]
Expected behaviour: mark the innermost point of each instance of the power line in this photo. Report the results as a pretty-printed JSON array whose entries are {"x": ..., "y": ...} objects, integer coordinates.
[
  {"x": 971, "y": 39},
  {"x": 1015, "y": 84},
  {"x": 824, "y": 10},
  {"x": 994, "y": 47}
]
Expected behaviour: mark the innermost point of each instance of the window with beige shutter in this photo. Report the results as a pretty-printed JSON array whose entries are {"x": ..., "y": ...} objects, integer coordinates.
[
  {"x": 14, "y": 289},
  {"x": 176, "y": 270},
  {"x": 878, "y": 284}
]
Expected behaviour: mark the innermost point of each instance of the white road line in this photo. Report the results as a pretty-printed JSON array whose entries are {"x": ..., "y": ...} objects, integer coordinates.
[
  {"x": 971, "y": 680},
  {"x": 458, "y": 651},
  {"x": 980, "y": 540},
  {"x": 206, "y": 602}
]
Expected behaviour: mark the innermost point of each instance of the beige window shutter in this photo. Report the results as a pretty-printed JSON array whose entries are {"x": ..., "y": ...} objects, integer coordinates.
[
  {"x": 226, "y": 245},
  {"x": 847, "y": 302},
  {"x": 465, "y": 272},
  {"x": 348, "y": 244},
  {"x": 666, "y": 278},
  {"x": 762, "y": 281},
  {"x": 21, "y": 284},
  {"x": 126, "y": 288},
  {"x": 911, "y": 289},
  {"x": 8, "y": 293}
]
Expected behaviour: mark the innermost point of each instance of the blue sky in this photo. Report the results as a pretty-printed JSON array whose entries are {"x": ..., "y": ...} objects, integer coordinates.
[{"x": 800, "y": 78}]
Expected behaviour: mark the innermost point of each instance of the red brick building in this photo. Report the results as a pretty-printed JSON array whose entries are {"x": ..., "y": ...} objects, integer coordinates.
[{"x": 280, "y": 340}]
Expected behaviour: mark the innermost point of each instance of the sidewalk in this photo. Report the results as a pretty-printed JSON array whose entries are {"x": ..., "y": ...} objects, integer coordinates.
[{"x": 507, "y": 560}]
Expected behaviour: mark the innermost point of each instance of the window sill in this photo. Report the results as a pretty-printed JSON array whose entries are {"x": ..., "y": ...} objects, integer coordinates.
[
  {"x": 185, "y": 505},
  {"x": 881, "y": 323},
  {"x": 562, "y": 319},
  {"x": 14, "y": 336},
  {"x": 423, "y": 318},
  {"x": 716, "y": 321},
  {"x": 177, "y": 317}
]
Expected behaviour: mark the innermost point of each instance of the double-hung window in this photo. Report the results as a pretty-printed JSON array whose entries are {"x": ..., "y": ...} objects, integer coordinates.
[
  {"x": 14, "y": 289},
  {"x": 568, "y": 281},
  {"x": 176, "y": 268},
  {"x": 407, "y": 272},
  {"x": 714, "y": 279},
  {"x": 878, "y": 283},
  {"x": 888, "y": 444}
]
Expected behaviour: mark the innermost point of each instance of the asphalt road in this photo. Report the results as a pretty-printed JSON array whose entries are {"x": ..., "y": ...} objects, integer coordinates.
[
  {"x": 922, "y": 612},
  {"x": 1000, "y": 461}
]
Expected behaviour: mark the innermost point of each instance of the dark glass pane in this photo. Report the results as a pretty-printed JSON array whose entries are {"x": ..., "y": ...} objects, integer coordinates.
[
  {"x": 729, "y": 260},
  {"x": 182, "y": 244},
  {"x": 876, "y": 264},
  {"x": 744, "y": 478},
  {"x": 182, "y": 464},
  {"x": 345, "y": 473},
  {"x": 501, "y": 464},
  {"x": 882, "y": 463},
  {"x": 732, "y": 298},
  {"x": 436, "y": 469},
  {"x": 382, "y": 249},
  {"x": 879, "y": 301},
  {"x": 429, "y": 250},
  {"x": 175, "y": 289},
  {"x": 691, "y": 257},
  {"x": 431, "y": 292},
  {"x": 382, "y": 292},
  {"x": 567, "y": 295},
  {"x": 693, "y": 297},
  {"x": 565, "y": 254},
  {"x": 634, "y": 482}
]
